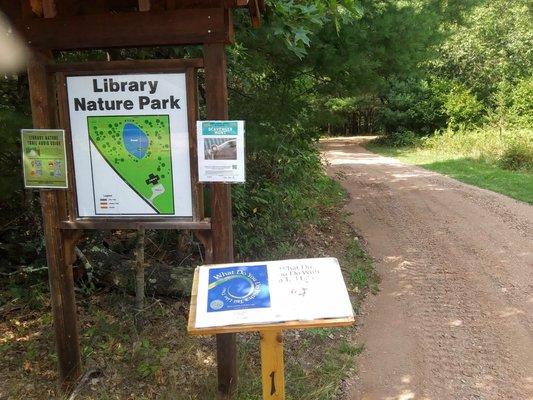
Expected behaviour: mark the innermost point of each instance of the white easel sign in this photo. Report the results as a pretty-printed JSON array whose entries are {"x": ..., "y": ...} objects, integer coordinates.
[{"x": 271, "y": 292}]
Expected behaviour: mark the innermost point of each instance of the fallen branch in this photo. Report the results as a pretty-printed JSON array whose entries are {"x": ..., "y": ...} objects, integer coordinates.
[
  {"x": 83, "y": 381},
  {"x": 113, "y": 269},
  {"x": 10, "y": 307}
]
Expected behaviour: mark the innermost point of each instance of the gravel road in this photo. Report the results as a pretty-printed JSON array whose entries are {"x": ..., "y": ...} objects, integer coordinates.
[{"x": 454, "y": 317}]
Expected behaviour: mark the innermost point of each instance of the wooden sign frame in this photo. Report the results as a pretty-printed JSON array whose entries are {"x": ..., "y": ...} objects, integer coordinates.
[
  {"x": 189, "y": 67},
  {"x": 62, "y": 231},
  {"x": 48, "y": 26}
]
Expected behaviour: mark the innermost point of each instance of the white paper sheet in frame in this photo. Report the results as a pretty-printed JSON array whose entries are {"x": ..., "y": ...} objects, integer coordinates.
[
  {"x": 221, "y": 151},
  {"x": 130, "y": 140},
  {"x": 297, "y": 290}
]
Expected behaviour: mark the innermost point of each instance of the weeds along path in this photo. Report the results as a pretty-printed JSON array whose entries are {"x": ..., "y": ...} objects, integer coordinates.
[{"x": 454, "y": 317}]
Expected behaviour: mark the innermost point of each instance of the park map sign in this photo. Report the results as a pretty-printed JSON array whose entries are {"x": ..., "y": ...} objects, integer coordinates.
[{"x": 130, "y": 142}]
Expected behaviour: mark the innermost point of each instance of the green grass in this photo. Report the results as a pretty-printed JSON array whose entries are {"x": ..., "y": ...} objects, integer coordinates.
[
  {"x": 471, "y": 170},
  {"x": 163, "y": 361}
]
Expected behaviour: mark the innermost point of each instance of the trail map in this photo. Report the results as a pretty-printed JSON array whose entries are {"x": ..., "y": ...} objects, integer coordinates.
[
  {"x": 138, "y": 149},
  {"x": 130, "y": 145}
]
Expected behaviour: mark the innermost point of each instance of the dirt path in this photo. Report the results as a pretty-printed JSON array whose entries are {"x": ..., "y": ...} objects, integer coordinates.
[{"x": 454, "y": 318}]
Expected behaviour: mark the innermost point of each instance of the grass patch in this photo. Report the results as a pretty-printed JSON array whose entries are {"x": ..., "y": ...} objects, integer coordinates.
[
  {"x": 163, "y": 362},
  {"x": 470, "y": 165}
]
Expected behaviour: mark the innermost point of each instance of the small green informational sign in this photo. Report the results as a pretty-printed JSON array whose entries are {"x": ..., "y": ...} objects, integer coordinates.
[
  {"x": 44, "y": 158},
  {"x": 217, "y": 128}
]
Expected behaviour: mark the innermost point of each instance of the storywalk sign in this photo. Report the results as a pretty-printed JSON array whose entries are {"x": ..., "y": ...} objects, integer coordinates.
[
  {"x": 271, "y": 292},
  {"x": 269, "y": 297},
  {"x": 130, "y": 141},
  {"x": 44, "y": 158}
]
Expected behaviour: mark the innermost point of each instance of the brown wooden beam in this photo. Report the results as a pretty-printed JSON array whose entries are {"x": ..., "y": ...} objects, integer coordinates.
[
  {"x": 127, "y": 29},
  {"x": 135, "y": 223},
  {"x": 236, "y": 3},
  {"x": 30, "y": 8},
  {"x": 49, "y": 9},
  {"x": 171, "y": 65},
  {"x": 66, "y": 8},
  {"x": 144, "y": 5},
  {"x": 198, "y": 3},
  {"x": 170, "y": 4},
  {"x": 206, "y": 238},
  {"x": 221, "y": 213},
  {"x": 255, "y": 14},
  {"x": 58, "y": 246}
]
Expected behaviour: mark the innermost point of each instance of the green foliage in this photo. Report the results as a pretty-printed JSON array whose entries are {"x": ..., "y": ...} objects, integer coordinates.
[
  {"x": 362, "y": 277},
  {"x": 405, "y": 68},
  {"x": 412, "y": 105},
  {"x": 295, "y": 22},
  {"x": 351, "y": 350},
  {"x": 520, "y": 107},
  {"x": 469, "y": 169},
  {"x": 518, "y": 154},
  {"x": 476, "y": 70},
  {"x": 499, "y": 160},
  {"x": 20, "y": 239},
  {"x": 11, "y": 178},
  {"x": 33, "y": 296},
  {"x": 462, "y": 107},
  {"x": 285, "y": 190},
  {"x": 512, "y": 149},
  {"x": 491, "y": 44},
  {"x": 14, "y": 94}
]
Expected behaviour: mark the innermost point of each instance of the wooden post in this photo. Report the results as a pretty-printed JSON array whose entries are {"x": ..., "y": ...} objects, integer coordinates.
[
  {"x": 58, "y": 247},
  {"x": 144, "y": 5},
  {"x": 221, "y": 213},
  {"x": 272, "y": 366}
]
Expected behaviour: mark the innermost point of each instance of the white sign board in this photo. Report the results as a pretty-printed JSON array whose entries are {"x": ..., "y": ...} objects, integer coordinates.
[
  {"x": 220, "y": 151},
  {"x": 130, "y": 145},
  {"x": 271, "y": 292}
]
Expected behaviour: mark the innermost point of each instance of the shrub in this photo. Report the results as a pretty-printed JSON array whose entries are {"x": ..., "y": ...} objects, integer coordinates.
[
  {"x": 14, "y": 93},
  {"x": 511, "y": 149},
  {"x": 462, "y": 108},
  {"x": 11, "y": 184},
  {"x": 518, "y": 154},
  {"x": 521, "y": 109},
  {"x": 285, "y": 190},
  {"x": 404, "y": 138},
  {"x": 512, "y": 105}
]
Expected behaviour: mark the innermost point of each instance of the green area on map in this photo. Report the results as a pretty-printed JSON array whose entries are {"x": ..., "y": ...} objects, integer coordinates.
[
  {"x": 138, "y": 149},
  {"x": 43, "y": 158}
]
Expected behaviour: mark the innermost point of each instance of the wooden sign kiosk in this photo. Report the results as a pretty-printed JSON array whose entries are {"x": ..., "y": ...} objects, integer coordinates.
[{"x": 52, "y": 25}]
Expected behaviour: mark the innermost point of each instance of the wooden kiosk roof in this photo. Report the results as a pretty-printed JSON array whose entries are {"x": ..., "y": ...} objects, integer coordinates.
[{"x": 92, "y": 24}]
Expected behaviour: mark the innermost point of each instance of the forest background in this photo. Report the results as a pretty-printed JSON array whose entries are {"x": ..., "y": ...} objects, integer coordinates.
[{"x": 451, "y": 75}]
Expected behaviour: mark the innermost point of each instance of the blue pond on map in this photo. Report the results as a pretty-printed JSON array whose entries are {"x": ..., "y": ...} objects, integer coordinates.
[{"x": 135, "y": 140}]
